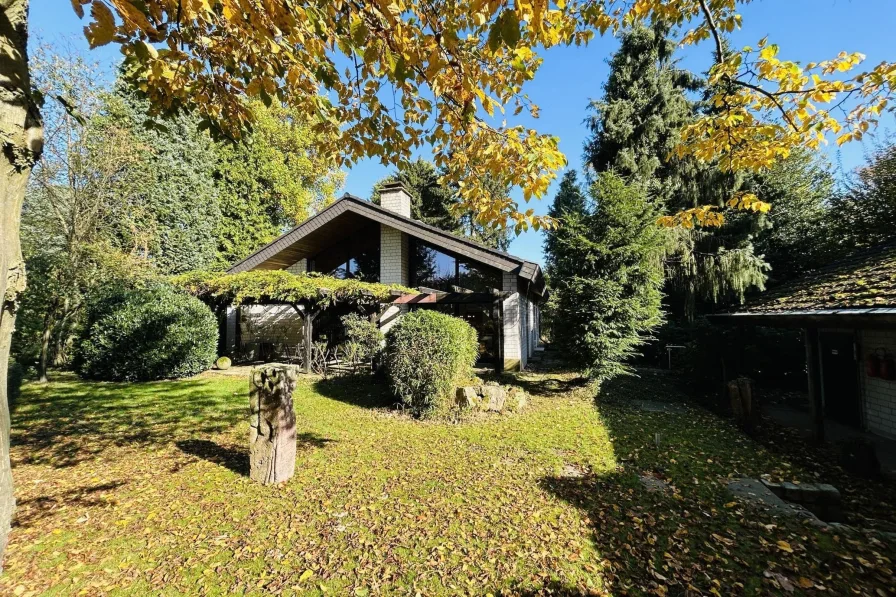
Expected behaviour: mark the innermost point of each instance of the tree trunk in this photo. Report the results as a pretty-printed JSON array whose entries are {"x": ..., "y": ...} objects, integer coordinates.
[
  {"x": 272, "y": 425},
  {"x": 21, "y": 140}
]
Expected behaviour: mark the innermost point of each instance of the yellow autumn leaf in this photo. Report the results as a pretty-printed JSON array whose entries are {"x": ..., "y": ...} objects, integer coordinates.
[
  {"x": 785, "y": 546},
  {"x": 306, "y": 575},
  {"x": 102, "y": 30}
]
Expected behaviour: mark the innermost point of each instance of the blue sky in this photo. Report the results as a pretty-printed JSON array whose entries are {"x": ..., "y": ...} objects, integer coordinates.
[{"x": 805, "y": 30}]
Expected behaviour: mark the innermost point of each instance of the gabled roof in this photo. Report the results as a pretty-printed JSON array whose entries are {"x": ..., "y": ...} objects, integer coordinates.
[
  {"x": 353, "y": 213},
  {"x": 861, "y": 287}
]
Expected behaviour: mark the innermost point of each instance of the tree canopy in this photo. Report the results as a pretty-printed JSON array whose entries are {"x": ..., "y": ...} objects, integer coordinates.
[
  {"x": 450, "y": 68},
  {"x": 271, "y": 180}
]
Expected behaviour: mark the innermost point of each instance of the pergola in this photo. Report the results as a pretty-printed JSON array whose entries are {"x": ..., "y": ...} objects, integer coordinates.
[
  {"x": 308, "y": 294},
  {"x": 311, "y": 294}
]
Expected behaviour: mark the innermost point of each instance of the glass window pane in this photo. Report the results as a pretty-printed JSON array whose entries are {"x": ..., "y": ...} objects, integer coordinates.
[{"x": 476, "y": 278}]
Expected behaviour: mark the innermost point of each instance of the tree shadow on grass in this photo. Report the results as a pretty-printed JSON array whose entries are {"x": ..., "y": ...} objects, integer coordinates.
[
  {"x": 548, "y": 386},
  {"x": 360, "y": 390},
  {"x": 31, "y": 511},
  {"x": 69, "y": 421},
  {"x": 236, "y": 458}
]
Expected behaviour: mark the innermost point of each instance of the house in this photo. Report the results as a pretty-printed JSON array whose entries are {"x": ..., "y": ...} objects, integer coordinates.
[
  {"x": 847, "y": 312},
  {"x": 498, "y": 294}
]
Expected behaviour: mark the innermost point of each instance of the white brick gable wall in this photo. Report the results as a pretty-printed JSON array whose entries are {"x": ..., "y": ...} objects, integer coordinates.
[
  {"x": 512, "y": 340},
  {"x": 879, "y": 394},
  {"x": 394, "y": 269},
  {"x": 299, "y": 267}
]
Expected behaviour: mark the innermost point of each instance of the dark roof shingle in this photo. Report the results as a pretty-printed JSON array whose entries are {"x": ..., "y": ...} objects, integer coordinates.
[{"x": 866, "y": 279}]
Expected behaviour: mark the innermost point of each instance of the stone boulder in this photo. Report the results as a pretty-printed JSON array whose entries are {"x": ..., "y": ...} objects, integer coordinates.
[
  {"x": 516, "y": 400},
  {"x": 467, "y": 397},
  {"x": 493, "y": 397}
]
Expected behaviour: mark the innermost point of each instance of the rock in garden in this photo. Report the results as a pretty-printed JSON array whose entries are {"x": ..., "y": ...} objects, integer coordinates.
[
  {"x": 466, "y": 397},
  {"x": 494, "y": 397},
  {"x": 516, "y": 400},
  {"x": 272, "y": 425}
]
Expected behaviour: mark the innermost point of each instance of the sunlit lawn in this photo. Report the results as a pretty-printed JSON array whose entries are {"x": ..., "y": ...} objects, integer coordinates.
[{"x": 143, "y": 489}]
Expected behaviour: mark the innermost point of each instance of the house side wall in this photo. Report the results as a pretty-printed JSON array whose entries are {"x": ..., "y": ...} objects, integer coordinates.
[
  {"x": 879, "y": 394},
  {"x": 394, "y": 269},
  {"x": 230, "y": 332},
  {"x": 512, "y": 340},
  {"x": 532, "y": 330},
  {"x": 524, "y": 327}
]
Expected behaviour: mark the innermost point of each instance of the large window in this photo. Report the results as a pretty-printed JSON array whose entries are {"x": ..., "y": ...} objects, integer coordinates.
[
  {"x": 364, "y": 266},
  {"x": 432, "y": 268},
  {"x": 355, "y": 256}
]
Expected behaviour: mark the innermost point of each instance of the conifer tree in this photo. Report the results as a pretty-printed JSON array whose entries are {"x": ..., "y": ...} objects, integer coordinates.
[
  {"x": 607, "y": 276},
  {"x": 569, "y": 201},
  {"x": 634, "y": 129}
]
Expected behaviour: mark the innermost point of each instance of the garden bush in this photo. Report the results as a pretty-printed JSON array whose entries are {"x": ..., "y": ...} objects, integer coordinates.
[
  {"x": 365, "y": 334},
  {"x": 427, "y": 354},
  {"x": 157, "y": 332}
]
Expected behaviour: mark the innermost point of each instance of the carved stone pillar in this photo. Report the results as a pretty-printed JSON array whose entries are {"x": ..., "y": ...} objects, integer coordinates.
[{"x": 272, "y": 425}]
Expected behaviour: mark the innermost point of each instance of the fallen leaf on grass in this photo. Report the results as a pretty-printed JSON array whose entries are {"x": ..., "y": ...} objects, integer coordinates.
[{"x": 785, "y": 546}]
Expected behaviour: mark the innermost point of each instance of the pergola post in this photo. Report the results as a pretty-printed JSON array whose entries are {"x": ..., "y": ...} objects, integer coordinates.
[
  {"x": 813, "y": 370},
  {"x": 307, "y": 337},
  {"x": 499, "y": 325}
]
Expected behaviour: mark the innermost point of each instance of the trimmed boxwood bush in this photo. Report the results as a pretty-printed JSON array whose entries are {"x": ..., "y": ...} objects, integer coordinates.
[
  {"x": 141, "y": 334},
  {"x": 427, "y": 354}
]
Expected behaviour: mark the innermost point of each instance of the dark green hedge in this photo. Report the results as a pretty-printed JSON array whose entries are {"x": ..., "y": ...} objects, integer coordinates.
[
  {"x": 427, "y": 354},
  {"x": 157, "y": 332}
]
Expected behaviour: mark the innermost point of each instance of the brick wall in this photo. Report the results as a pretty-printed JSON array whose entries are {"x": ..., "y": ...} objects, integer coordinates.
[
  {"x": 299, "y": 267},
  {"x": 512, "y": 341},
  {"x": 394, "y": 268},
  {"x": 879, "y": 394},
  {"x": 396, "y": 199},
  {"x": 270, "y": 323}
]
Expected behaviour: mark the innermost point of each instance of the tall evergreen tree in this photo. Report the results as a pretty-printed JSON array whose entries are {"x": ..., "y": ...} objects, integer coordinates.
[
  {"x": 171, "y": 209},
  {"x": 797, "y": 235},
  {"x": 864, "y": 214},
  {"x": 607, "y": 276},
  {"x": 634, "y": 128},
  {"x": 569, "y": 201}
]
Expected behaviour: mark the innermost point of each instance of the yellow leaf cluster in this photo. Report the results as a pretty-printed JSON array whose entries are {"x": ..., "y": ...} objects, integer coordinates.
[{"x": 421, "y": 74}]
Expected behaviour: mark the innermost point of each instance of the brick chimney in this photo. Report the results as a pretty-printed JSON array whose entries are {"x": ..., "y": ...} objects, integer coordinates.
[{"x": 394, "y": 198}]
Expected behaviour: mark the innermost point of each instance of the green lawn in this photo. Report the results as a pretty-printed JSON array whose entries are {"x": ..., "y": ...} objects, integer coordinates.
[{"x": 143, "y": 489}]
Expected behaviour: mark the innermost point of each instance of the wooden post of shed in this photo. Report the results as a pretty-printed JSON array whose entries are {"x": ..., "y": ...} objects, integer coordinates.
[{"x": 813, "y": 371}]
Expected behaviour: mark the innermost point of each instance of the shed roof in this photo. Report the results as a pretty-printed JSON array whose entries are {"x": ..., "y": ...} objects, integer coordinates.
[
  {"x": 864, "y": 280},
  {"x": 859, "y": 288},
  {"x": 350, "y": 214}
]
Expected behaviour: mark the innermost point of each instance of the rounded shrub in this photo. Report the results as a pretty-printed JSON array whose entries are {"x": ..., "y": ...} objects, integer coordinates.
[
  {"x": 141, "y": 334},
  {"x": 427, "y": 354},
  {"x": 365, "y": 334}
]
